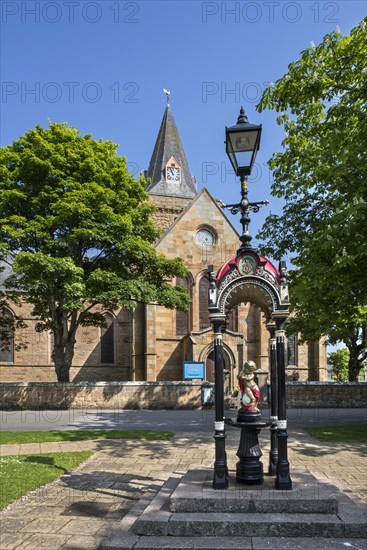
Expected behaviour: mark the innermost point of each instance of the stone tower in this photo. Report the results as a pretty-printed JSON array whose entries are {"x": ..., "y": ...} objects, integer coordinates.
[{"x": 171, "y": 185}]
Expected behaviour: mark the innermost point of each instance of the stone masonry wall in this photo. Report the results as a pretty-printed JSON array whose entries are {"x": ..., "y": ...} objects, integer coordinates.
[
  {"x": 46, "y": 373},
  {"x": 101, "y": 395},
  {"x": 162, "y": 395},
  {"x": 168, "y": 208},
  {"x": 326, "y": 394}
]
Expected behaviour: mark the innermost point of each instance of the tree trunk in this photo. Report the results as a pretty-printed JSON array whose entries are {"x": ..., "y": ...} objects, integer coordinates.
[
  {"x": 354, "y": 368},
  {"x": 354, "y": 365},
  {"x": 62, "y": 357},
  {"x": 62, "y": 372}
]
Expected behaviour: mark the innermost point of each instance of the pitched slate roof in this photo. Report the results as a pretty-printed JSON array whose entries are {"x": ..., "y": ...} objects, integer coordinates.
[{"x": 169, "y": 145}]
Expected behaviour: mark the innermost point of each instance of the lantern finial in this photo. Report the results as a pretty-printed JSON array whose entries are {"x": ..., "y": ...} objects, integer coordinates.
[{"x": 242, "y": 118}]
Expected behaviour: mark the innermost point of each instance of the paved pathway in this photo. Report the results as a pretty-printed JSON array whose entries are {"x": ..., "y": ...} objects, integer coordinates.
[{"x": 77, "y": 511}]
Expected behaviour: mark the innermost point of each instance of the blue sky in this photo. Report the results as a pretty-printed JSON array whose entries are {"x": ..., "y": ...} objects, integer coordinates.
[{"x": 101, "y": 66}]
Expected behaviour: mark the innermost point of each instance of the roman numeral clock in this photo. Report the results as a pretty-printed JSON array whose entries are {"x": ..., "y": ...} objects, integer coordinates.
[{"x": 173, "y": 171}]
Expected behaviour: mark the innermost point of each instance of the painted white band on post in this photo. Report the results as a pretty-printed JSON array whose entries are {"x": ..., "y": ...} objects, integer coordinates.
[
  {"x": 219, "y": 425},
  {"x": 282, "y": 424}
]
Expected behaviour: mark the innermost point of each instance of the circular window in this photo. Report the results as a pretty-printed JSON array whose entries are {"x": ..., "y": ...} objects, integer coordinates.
[{"x": 205, "y": 238}]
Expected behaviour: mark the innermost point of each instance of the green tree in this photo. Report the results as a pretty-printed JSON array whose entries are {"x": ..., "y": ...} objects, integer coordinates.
[
  {"x": 78, "y": 225},
  {"x": 321, "y": 173},
  {"x": 339, "y": 361}
]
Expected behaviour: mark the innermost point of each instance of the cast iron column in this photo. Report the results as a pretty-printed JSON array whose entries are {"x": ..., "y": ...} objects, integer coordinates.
[
  {"x": 283, "y": 480},
  {"x": 245, "y": 238},
  {"x": 273, "y": 454},
  {"x": 220, "y": 480}
]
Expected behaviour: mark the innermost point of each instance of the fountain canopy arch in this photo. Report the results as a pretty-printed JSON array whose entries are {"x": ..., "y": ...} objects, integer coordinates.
[{"x": 249, "y": 277}]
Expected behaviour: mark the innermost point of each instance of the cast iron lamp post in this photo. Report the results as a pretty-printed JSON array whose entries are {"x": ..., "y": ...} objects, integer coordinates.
[{"x": 242, "y": 144}]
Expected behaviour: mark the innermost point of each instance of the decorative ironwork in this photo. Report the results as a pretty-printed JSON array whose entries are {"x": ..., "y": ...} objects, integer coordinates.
[
  {"x": 245, "y": 207},
  {"x": 225, "y": 291},
  {"x": 266, "y": 275},
  {"x": 228, "y": 278}
]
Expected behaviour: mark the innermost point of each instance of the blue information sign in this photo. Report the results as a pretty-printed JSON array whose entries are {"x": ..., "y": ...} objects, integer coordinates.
[{"x": 194, "y": 369}]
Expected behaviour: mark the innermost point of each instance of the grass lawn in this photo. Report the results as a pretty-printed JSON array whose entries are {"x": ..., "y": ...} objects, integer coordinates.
[
  {"x": 21, "y": 474},
  {"x": 352, "y": 433},
  {"x": 81, "y": 435}
]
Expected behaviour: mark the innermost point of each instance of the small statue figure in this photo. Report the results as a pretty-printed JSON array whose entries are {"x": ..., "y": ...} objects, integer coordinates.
[{"x": 249, "y": 394}]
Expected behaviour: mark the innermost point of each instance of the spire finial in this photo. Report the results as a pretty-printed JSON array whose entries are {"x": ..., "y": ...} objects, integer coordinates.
[{"x": 168, "y": 94}]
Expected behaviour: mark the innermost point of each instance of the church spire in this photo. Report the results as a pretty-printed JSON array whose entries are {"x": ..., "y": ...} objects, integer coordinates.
[{"x": 168, "y": 169}]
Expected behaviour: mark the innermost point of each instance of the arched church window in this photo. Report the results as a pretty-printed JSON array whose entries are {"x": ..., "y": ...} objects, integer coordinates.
[
  {"x": 108, "y": 341},
  {"x": 183, "y": 317},
  {"x": 292, "y": 349},
  {"x": 204, "y": 321},
  {"x": 6, "y": 337}
]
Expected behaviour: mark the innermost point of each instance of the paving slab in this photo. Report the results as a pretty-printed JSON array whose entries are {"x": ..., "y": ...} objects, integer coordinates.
[
  {"x": 42, "y": 541},
  {"x": 44, "y": 525},
  {"x": 9, "y": 541},
  {"x": 82, "y": 526},
  {"x": 80, "y": 542}
]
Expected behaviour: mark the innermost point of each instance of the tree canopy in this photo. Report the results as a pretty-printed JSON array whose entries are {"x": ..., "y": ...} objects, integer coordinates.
[
  {"x": 78, "y": 226},
  {"x": 321, "y": 173}
]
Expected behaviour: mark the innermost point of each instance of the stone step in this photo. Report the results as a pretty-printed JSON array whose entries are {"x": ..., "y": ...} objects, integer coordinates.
[
  {"x": 153, "y": 522},
  {"x": 232, "y": 543},
  {"x": 195, "y": 494},
  {"x": 300, "y": 506},
  {"x": 248, "y": 525}
]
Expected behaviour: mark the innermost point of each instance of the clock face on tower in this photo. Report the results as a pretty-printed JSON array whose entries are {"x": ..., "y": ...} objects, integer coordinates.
[
  {"x": 173, "y": 174},
  {"x": 173, "y": 171}
]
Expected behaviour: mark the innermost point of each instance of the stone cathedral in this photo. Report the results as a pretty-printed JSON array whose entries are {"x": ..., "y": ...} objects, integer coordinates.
[{"x": 151, "y": 343}]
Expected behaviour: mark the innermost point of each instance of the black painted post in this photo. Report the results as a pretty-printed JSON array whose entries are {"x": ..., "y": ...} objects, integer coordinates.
[
  {"x": 273, "y": 454},
  {"x": 220, "y": 480},
  {"x": 283, "y": 480}
]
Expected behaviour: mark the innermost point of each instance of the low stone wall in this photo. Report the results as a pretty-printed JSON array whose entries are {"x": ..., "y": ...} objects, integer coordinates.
[
  {"x": 162, "y": 395},
  {"x": 326, "y": 394},
  {"x": 100, "y": 395}
]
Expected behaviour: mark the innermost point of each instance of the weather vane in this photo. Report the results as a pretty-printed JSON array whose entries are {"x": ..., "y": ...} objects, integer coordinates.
[{"x": 168, "y": 94}]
